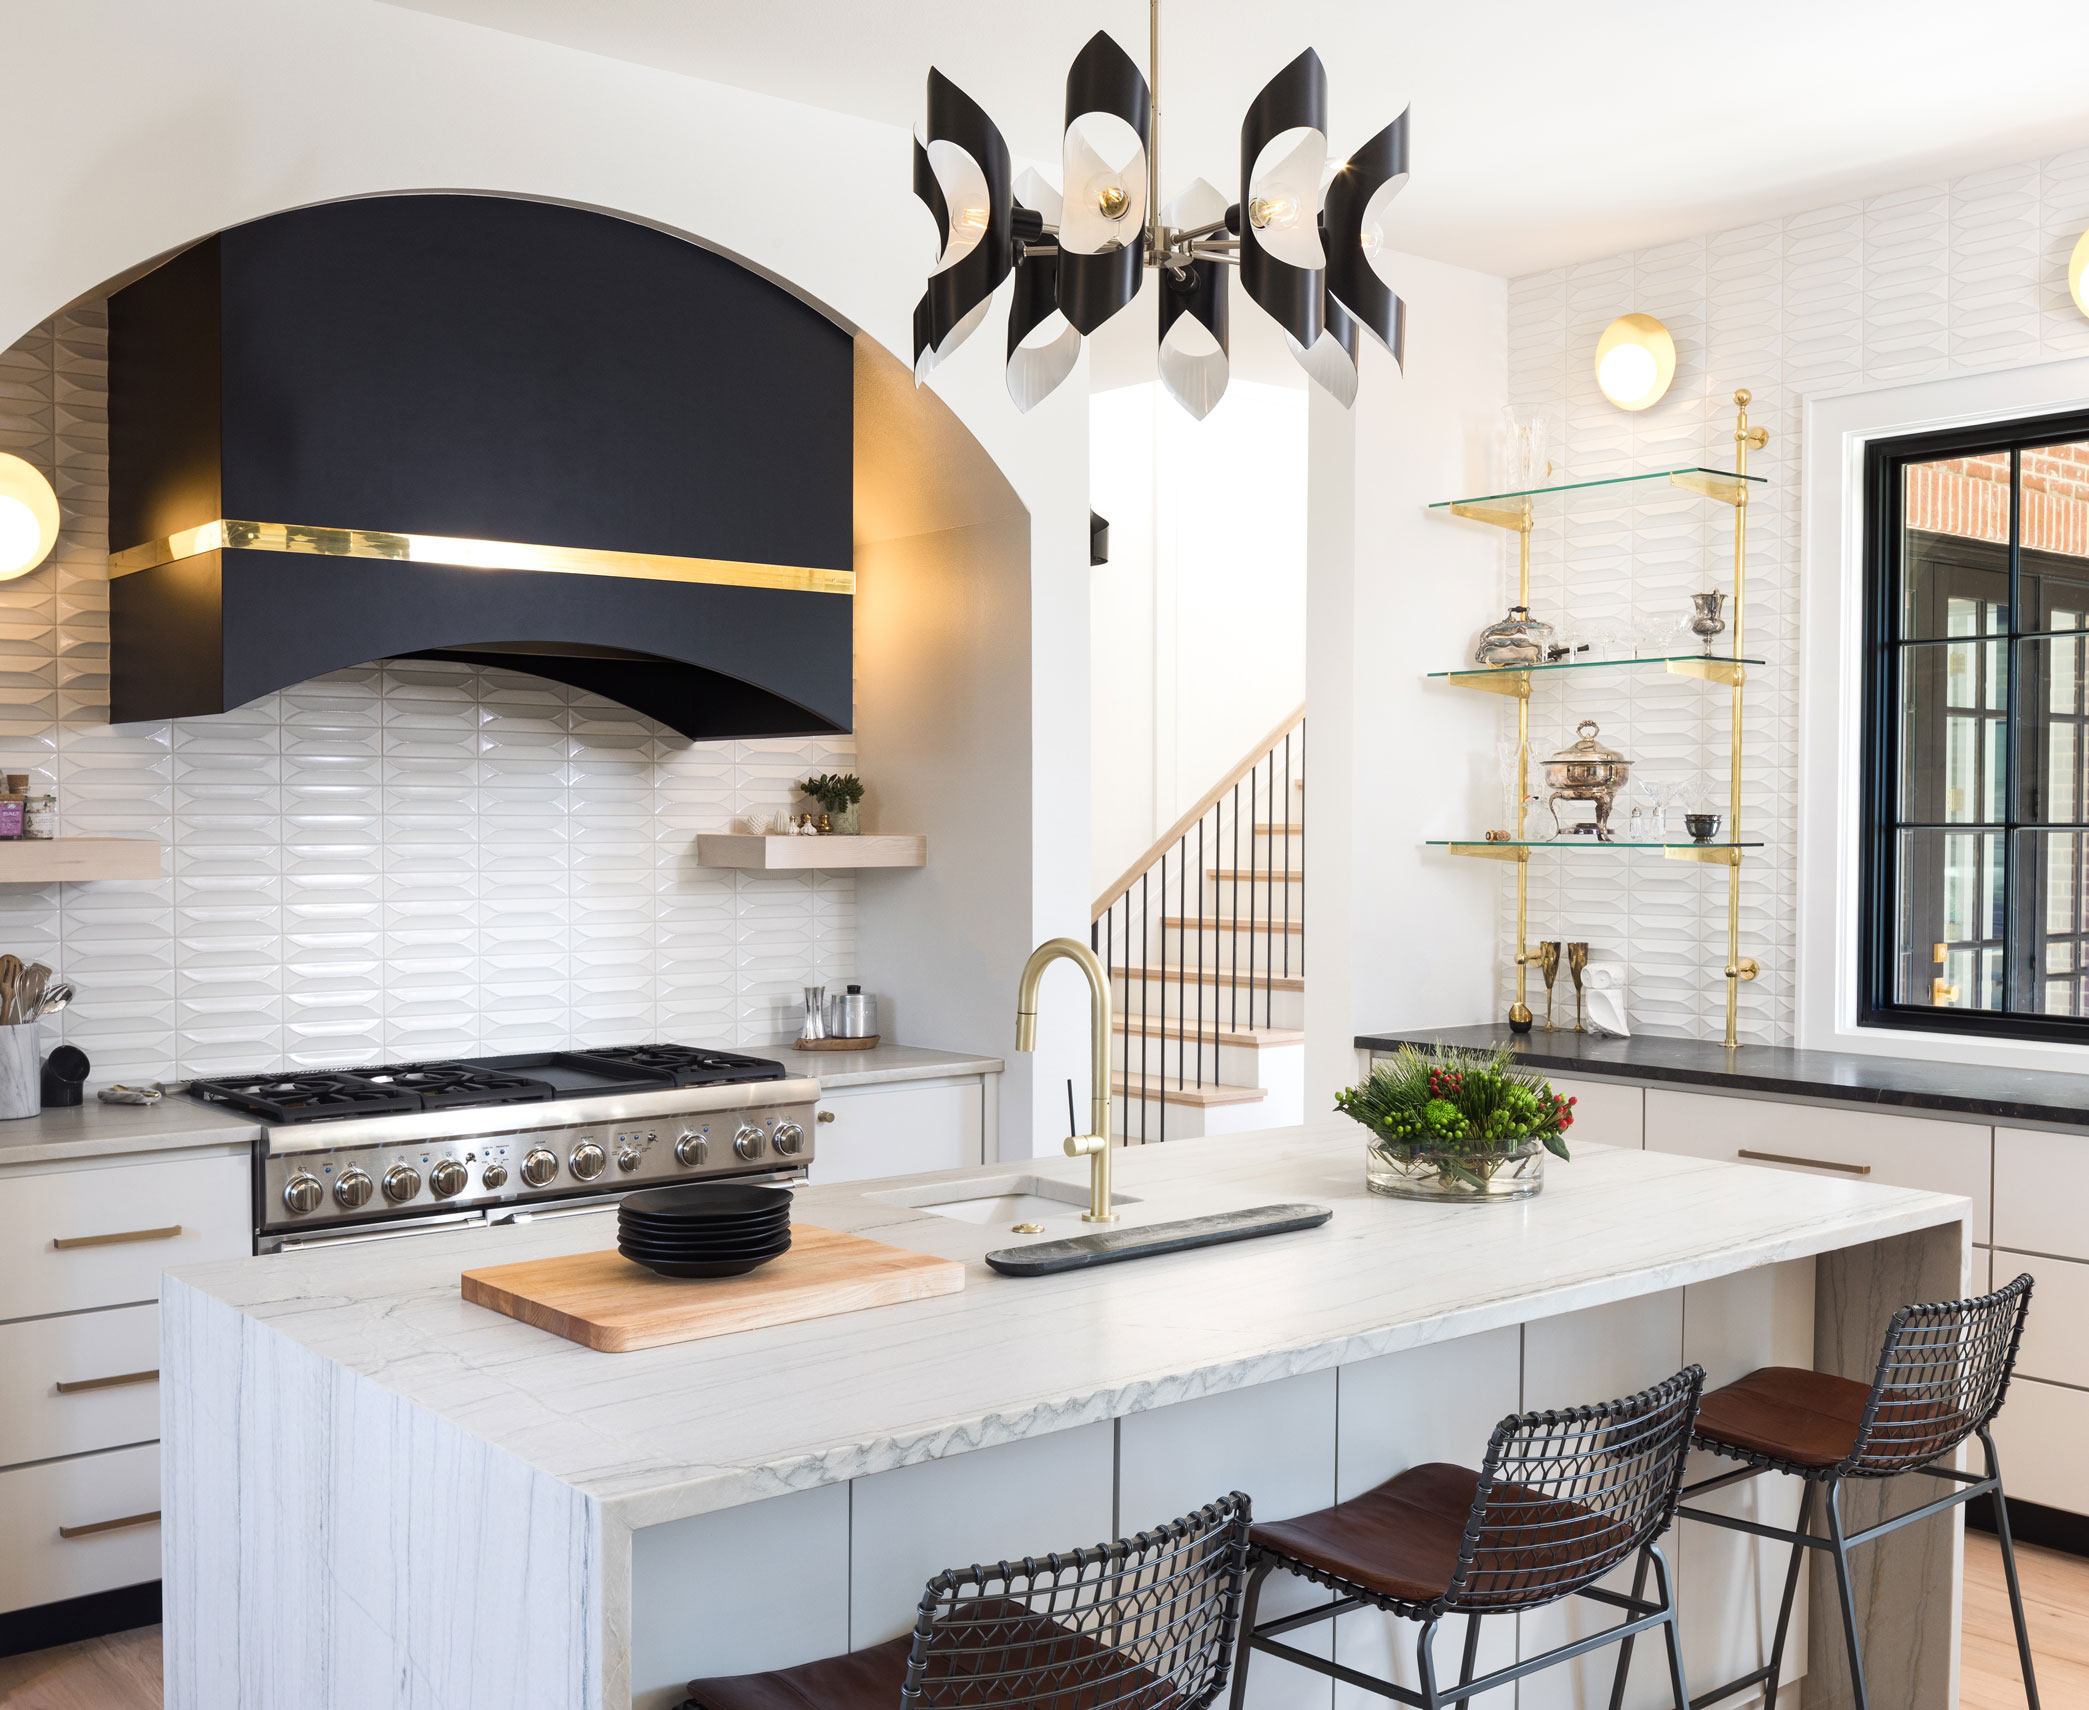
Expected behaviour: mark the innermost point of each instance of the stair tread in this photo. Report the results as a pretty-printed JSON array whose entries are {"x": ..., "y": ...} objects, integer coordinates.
[
  {"x": 1204, "y": 1095},
  {"x": 1228, "y": 923},
  {"x": 1297, "y": 874},
  {"x": 1190, "y": 975},
  {"x": 1170, "y": 1027}
]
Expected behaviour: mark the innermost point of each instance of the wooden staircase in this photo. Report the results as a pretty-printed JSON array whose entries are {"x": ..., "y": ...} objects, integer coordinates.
[{"x": 1204, "y": 940}]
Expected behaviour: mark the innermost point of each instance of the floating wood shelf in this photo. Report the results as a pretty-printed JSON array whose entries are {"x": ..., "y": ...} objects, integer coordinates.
[
  {"x": 41, "y": 860},
  {"x": 800, "y": 854}
]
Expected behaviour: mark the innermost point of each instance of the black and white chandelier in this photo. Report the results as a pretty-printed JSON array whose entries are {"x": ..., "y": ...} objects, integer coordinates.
[{"x": 1079, "y": 252}]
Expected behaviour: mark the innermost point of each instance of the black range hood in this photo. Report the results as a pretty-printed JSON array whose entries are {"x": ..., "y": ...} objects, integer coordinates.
[{"x": 475, "y": 428}]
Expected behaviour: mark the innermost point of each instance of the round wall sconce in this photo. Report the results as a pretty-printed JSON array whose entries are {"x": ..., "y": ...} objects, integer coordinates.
[
  {"x": 2078, "y": 273},
  {"x": 1635, "y": 361},
  {"x": 28, "y": 517}
]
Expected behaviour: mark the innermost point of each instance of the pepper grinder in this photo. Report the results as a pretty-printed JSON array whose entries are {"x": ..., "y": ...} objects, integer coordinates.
[{"x": 1577, "y": 960}]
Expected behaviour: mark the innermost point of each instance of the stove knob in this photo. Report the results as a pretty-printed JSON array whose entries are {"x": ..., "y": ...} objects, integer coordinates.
[
  {"x": 748, "y": 1142},
  {"x": 790, "y": 1139},
  {"x": 353, "y": 1189},
  {"x": 586, "y": 1160},
  {"x": 401, "y": 1183},
  {"x": 494, "y": 1176},
  {"x": 690, "y": 1149},
  {"x": 629, "y": 1157},
  {"x": 449, "y": 1178},
  {"x": 539, "y": 1167},
  {"x": 303, "y": 1193}
]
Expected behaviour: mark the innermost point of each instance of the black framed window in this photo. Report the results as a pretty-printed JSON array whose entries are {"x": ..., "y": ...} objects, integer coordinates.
[{"x": 1976, "y": 803}]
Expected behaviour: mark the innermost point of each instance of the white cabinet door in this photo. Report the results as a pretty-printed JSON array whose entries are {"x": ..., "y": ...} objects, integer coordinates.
[
  {"x": 1610, "y": 1113},
  {"x": 78, "y": 1526},
  {"x": 2039, "y": 1435},
  {"x": 2040, "y": 1182},
  {"x": 2054, "y": 1346},
  {"x": 898, "y": 1130},
  {"x": 80, "y": 1381},
  {"x": 79, "y": 1238},
  {"x": 1859, "y": 1145}
]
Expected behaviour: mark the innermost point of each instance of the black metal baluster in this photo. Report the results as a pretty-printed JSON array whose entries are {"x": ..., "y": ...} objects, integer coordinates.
[
  {"x": 1233, "y": 918},
  {"x": 1145, "y": 939},
  {"x": 1251, "y": 897},
  {"x": 1301, "y": 793},
  {"x": 1200, "y": 939}
]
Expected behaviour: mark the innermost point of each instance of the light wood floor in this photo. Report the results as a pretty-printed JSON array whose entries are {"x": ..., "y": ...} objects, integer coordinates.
[{"x": 123, "y": 1672}]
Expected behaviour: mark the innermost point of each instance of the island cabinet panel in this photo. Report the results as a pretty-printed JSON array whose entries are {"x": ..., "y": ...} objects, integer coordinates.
[
  {"x": 1611, "y": 1113},
  {"x": 1024, "y": 1498},
  {"x": 1435, "y": 1403},
  {"x": 762, "y": 1586},
  {"x": 41, "y": 1564},
  {"x": 1857, "y": 1145},
  {"x": 2041, "y": 1185},
  {"x": 862, "y": 1132},
  {"x": 1275, "y": 1441},
  {"x": 108, "y": 1363}
]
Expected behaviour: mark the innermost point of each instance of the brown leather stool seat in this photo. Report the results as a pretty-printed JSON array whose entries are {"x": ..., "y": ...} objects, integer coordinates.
[
  {"x": 992, "y": 1653},
  {"x": 1807, "y": 1419},
  {"x": 1400, "y": 1541}
]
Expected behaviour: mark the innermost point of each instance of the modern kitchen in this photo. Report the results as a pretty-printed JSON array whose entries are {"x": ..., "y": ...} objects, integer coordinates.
[{"x": 656, "y": 1046}]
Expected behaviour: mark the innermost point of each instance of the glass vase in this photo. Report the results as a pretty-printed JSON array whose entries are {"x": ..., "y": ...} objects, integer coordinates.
[{"x": 1449, "y": 1173}]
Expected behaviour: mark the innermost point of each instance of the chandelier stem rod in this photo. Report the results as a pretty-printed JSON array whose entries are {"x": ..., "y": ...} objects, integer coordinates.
[{"x": 1156, "y": 247}]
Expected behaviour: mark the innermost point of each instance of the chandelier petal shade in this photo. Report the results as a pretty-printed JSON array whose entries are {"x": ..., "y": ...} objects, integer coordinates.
[{"x": 1079, "y": 253}]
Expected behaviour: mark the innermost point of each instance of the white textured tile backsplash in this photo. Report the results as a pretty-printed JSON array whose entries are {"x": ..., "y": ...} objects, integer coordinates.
[
  {"x": 405, "y": 860},
  {"x": 1943, "y": 279}
]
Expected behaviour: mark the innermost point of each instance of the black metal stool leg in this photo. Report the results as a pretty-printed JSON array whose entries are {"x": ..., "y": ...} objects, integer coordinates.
[
  {"x": 1249, "y": 1600},
  {"x": 2016, "y": 1594},
  {"x": 1847, "y": 1596},
  {"x": 1471, "y": 1657},
  {"x": 1617, "y": 1684},
  {"x": 1669, "y": 1630},
  {"x": 1425, "y": 1666},
  {"x": 1791, "y": 1592}
]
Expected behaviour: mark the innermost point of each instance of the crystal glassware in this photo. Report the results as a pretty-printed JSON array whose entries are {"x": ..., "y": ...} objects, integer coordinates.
[
  {"x": 1577, "y": 962},
  {"x": 1548, "y": 965}
]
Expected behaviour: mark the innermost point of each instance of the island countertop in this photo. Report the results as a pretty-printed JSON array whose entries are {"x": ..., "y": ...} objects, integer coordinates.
[{"x": 653, "y": 1436}]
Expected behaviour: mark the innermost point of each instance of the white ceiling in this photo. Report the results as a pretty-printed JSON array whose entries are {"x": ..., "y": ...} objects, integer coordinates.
[{"x": 1545, "y": 131}]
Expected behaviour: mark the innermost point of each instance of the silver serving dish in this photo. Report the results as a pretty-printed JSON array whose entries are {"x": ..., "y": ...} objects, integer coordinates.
[
  {"x": 1586, "y": 771},
  {"x": 1518, "y": 639}
]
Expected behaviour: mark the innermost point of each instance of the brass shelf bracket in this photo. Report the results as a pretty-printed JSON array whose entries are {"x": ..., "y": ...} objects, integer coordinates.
[{"x": 1728, "y": 671}]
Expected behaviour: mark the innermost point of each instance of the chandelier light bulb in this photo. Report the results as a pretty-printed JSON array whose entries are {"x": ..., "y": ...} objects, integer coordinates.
[
  {"x": 1635, "y": 361},
  {"x": 28, "y": 517},
  {"x": 1112, "y": 202}
]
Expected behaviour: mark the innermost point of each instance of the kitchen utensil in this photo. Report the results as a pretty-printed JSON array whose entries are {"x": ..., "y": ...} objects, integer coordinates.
[
  {"x": 1548, "y": 965},
  {"x": 55, "y": 998},
  {"x": 1588, "y": 771},
  {"x": 31, "y": 990},
  {"x": 65, "y": 1071},
  {"x": 10, "y": 980},
  {"x": 1577, "y": 961},
  {"x": 1703, "y": 827},
  {"x": 604, "y": 1301},
  {"x": 1518, "y": 639}
]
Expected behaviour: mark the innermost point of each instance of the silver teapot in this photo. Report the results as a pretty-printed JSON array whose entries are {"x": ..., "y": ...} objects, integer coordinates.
[
  {"x": 1586, "y": 771},
  {"x": 1518, "y": 639}
]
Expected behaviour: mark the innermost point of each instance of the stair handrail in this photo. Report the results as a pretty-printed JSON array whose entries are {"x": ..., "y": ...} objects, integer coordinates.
[{"x": 1204, "y": 804}]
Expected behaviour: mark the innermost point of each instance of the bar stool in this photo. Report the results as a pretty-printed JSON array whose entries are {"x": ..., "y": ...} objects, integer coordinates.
[
  {"x": 1145, "y": 1623},
  {"x": 1561, "y": 1498},
  {"x": 1941, "y": 1377}
]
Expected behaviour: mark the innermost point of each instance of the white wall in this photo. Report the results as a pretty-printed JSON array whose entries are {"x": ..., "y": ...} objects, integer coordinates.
[
  {"x": 1198, "y": 622},
  {"x": 1397, "y": 935},
  {"x": 1952, "y": 278},
  {"x": 209, "y": 112}
]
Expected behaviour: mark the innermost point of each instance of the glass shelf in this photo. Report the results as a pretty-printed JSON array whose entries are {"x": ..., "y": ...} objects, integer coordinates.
[
  {"x": 1509, "y": 849},
  {"x": 1516, "y": 510},
  {"x": 1513, "y": 679}
]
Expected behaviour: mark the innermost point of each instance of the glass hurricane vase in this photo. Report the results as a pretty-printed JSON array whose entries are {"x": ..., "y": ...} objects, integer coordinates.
[{"x": 1455, "y": 1173}]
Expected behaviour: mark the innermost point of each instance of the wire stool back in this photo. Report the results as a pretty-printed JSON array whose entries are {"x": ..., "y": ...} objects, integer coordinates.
[
  {"x": 1146, "y": 1623},
  {"x": 1567, "y": 1494},
  {"x": 1942, "y": 1375}
]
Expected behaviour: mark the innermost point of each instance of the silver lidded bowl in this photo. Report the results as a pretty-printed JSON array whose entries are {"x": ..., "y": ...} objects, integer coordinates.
[
  {"x": 1518, "y": 639},
  {"x": 1586, "y": 771}
]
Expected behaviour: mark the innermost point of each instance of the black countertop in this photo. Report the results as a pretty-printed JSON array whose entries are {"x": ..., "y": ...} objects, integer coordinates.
[{"x": 1898, "y": 1083}]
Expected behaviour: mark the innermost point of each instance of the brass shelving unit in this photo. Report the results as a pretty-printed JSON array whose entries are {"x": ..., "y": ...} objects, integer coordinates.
[{"x": 1518, "y": 511}]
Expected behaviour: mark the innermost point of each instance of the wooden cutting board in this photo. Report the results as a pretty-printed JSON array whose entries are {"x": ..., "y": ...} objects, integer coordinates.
[{"x": 604, "y": 1301}]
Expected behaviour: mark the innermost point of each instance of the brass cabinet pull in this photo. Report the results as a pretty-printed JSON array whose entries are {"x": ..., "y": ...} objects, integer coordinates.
[
  {"x": 121, "y": 1378},
  {"x": 66, "y": 1243},
  {"x": 88, "y": 1531},
  {"x": 826, "y": 1116},
  {"x": 1806, "y": 1163}
]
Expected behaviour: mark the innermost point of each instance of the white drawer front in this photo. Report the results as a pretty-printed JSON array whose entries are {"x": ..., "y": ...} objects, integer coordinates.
[
  {"x": 2041, "y": 1181},
  {"x": 1610, "y": 1113},
  {"x": 897, "y": 1131},
  {"x": 2054, "y": 1346},
  {"x": 2039, "y": 1434},
  {"x": 41, "y": 1564},
  {"x": 1861, "y": 1145},
  {"x": 56, "y": 1248},
  {"x": 86, "y": 1380}
]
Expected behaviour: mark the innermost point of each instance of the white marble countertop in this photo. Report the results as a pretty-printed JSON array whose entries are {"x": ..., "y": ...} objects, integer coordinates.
[
  {"x": 180, "y": 1123},
  {"x": 673, "y": 1431}
]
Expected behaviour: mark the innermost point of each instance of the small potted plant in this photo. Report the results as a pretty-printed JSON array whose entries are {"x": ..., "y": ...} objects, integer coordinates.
[
  {"x": 1453, "y": 1124},
  {"x": 840, "y": 795}
]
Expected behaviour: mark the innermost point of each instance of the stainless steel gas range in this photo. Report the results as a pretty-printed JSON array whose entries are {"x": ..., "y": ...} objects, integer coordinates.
[{"x": 363, "y": 1153}]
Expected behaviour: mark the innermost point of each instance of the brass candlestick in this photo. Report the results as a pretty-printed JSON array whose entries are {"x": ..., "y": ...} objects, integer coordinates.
[
  {"x": 1548, "y": 965},
  {"x": 1577, "y": 960}
]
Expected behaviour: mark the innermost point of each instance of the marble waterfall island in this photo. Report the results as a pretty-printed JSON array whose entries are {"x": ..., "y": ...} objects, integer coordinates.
[{"x": 380, "y": 1495}]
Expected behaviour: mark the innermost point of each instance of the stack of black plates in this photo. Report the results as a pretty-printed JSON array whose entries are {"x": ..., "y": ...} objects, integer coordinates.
[{"x": 705, "y": 1229}]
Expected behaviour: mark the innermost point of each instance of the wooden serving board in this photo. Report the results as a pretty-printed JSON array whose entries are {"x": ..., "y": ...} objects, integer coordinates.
[{"x": 604, "y": 1301}]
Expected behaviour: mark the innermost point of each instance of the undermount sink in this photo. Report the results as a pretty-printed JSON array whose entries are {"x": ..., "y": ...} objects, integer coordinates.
[{"x": 1001, "y": 1199}]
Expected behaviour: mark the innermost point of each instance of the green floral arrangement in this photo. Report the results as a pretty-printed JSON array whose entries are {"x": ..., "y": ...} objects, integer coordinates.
[
  {"x": 1448, "y": 1102},
  {"x": 837, "y": 792}
]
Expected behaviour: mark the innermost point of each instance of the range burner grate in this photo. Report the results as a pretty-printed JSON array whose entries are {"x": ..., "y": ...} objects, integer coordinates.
[
  {"x": 439, "y": 1086},
  {"x": 690, "y": 1065},
  {"x": 306, "y": 1097}
]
